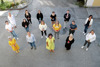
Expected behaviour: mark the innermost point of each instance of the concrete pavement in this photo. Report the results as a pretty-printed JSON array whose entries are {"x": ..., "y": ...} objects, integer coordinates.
[{"x": 41, "y": 57}]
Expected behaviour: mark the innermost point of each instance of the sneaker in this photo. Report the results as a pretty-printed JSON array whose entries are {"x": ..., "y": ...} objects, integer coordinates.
[
  {"x": 84, "y": 34},
  {"x": 17, "y": 38},
  {"x": 87, "y": 49},
  {"x": 35, "y": 48},
  {"x": 46, "y": 37},
  {"x": 41, "y": 36},
  {"x": 82, "y": 47},
  {"x": 31, "y": 48}
]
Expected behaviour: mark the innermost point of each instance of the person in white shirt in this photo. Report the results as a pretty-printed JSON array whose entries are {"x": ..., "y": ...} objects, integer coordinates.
[
  {"x": 43, "y": 28},
  {"x": 10, "y": 29},
  {"x": 90, "y": 37},
  {"x": 11, "y": 18},
  {"x": 88, "y": 23},
  {"x": 31, "y": 40}
]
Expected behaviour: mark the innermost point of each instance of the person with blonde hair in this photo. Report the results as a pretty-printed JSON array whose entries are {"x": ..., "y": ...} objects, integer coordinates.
[
  {"x": 69, "y": 41},
  {"x": 13, "y": 44},
  {"x": 43, "y": 28}
]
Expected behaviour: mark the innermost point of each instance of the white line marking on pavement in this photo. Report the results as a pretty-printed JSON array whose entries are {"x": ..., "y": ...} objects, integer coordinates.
[
  {"x": 51, "y": 3},
  {"x": 46, "y": 3}
]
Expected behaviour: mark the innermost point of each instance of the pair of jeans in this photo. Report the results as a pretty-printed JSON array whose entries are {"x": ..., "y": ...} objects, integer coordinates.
[
  {"x": 14, "y": 34},
  {"x": 71, "y": 31},
  {"x": 27, "y": 29},
  {"x": 86, "y": 43},
  {"x": 32, "y": 44},
  {"x": 44, "y": 32},
  {"x": 39, "y": 21},
  {"x": 56, "y": 34},
  {"x": 86, "y": 28}
]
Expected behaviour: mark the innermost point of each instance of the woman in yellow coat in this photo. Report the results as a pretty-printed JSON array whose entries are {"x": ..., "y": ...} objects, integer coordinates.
[
  {"x": 13, "y": 44},
  {"x": 50, "y": 43}
]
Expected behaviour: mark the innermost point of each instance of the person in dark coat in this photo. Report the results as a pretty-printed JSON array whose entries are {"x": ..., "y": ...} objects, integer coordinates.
[
  {"x": 69, "y": 42},
  {"x": 25, "y": 24},
  {"x": 28, "y": 16},
  {"x": 39, "y": 16}
]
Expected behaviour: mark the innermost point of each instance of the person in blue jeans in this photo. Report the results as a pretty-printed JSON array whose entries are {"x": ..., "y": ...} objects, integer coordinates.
[
  {"x": 25, "y": 24},
  {"x": 73, "y": 27},
  {"x": 31, "y": 40},
  {"x": 10, "y": 29},
  {"x": 88, "y": 23}
]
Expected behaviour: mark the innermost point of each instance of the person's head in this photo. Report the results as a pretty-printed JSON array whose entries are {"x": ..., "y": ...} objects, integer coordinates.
[
  {"x": 9, "y": 14},
  {"x": 92, "y": 32},
  {"x": 24, "y": 20},
  {"x": 10, "y": 38},
  {"x": 28, "y": 33},
  {"x": 73, "y": 22},
  {"x": 90, "y": 16},
  {"x": 42, "y": 22},
  {"x": 39, "y": 11},
  {"x": 57, "y": 23},
  {"x": 68, "y": 11},
  {"x": 71, "y": 36},
  {"x": 50, "y": 36},
  {"x": 6, "y": 22},
  {"x": 53, "y": 13},
  {"x": 26, "y": 11}
]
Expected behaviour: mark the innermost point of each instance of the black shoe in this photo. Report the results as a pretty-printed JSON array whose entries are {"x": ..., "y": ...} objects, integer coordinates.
[{"x": 31, "y": 48}]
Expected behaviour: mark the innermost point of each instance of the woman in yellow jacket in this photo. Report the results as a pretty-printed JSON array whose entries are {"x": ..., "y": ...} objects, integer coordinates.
[{"x": 13, "y": 44}]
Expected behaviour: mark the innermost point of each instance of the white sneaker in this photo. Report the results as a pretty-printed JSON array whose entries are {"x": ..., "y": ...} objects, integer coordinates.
[
  {"x": 82, "y": 47},
  {"x": 84, "y": 33},
  {"x": 41, "y": 36},
  {"x": 46, "y": 37},
  {"x": 87, "y": 49},
  {"x": 17, "y": 38}
]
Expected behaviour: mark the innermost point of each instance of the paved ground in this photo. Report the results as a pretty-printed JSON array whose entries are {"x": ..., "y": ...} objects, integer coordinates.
[{"x": 41, "y": 57}]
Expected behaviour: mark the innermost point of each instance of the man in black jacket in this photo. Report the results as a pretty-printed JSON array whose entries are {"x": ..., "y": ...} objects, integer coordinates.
[
  {"x": 39, "y": 16},
  {"x": 67, "y": 17},
  {"x": 25, "y": 24}
]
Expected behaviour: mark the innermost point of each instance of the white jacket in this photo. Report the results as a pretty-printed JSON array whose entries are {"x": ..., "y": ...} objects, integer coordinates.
[
  {"x": 91, "y": 37},
  {"x": 12, "y": 20},
  {"x": 91, "y": 22},
  {"x": 41, "y": 27}
]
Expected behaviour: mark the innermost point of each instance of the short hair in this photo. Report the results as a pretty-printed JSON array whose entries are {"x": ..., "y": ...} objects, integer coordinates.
[
  {"x": 73, "y": 21},
  {"x": 68, "y": 10},
  {"x": 6, "y": 21},
  {"x": 50, "y": 35},
  {"x": 92, "y": 30},
  {"x": 53, "y": 11}
]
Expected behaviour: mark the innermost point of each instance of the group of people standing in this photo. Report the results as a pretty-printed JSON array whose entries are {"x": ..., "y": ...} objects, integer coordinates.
[{"x": 56, "y": 26}]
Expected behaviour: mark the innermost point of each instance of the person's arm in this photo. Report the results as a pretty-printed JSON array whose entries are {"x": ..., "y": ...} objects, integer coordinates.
[
  {"x": 93, "y": 39},
  {"x": 87, "y": 36},
  {"x": 29, "y": 15},
  {"x": 45, "y": 26},
  {"x": 25, "y": 16},
  {"x": 91, "y": 22},
  {"x": 41, "y": 16},
  {"x": 86, "y": 21},
  {"x": 64, "y": 16},
  {"x": 69, "y": 16},
  {"x": 22, "y": 24},
  {"x": 37, "y": 16},
  {"x": 40, "y": 27},
  {"x": 47, "y": 43}
]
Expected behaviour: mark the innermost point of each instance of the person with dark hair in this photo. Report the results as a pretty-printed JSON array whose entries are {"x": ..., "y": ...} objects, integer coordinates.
[
  {"x": 31, "y": 40},
  {"x": 25, "y": 24},
  {"x": 56, "y": 28},
  {"x": 10, "y": 29},
  {"x": 39, "y": 16},
  {"x": 50, "y": 43},
  {"x": 67, "y": 17},
  {"x": 53, "y": 17},
  {"x": 73, "y": 27},
  {"x": 69, "y": 42},
  {"x": 28, "y": 16},
  {"x": 90, "y": 37},
  {"x": 43, "y": 28},
  {"x": 88, "y": 23}
]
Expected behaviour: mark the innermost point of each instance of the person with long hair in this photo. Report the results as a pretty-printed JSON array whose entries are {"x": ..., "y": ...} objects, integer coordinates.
[
  {"x": 39, "y": 16},
  {"x": 90, "y": 37},
  {"x": 50, "y": 43},
  {"x": 43, "y": 28},
  {"x": 13, "y": 44},
  {"x": 88, "y": 23},
  {"x": 28, "y": 16},
  {"x": 25, "y": 24},
  {"x": 69, "y": 42}
]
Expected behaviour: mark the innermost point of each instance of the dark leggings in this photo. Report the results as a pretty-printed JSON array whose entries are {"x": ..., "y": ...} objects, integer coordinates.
[
  {"x": 86, "y": 43},
  {"x": 29, "y": 21},
  {"x": 43, "y": 32}
]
